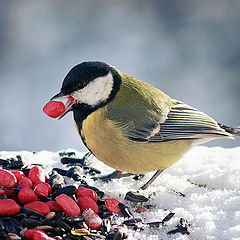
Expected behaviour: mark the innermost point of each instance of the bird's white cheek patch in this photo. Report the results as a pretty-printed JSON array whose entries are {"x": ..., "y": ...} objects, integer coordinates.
[{"x": 96, "y": 91}]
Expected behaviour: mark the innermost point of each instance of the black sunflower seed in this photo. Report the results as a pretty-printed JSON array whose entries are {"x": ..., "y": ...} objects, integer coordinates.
[
  {"x": 64, "y": 225},
  {"x": 3, "y": 235},
  {"x": 132, "y": 221},
  {"x": 1, "y": 224},
  {"x": 15, "y": 165},
  {"x": 20, "y": 215},
  {"x": 30, "y": 223},
  {"x": 16, "y": 223},
  {"x": 4, "y": 162},
  {"x": 68, "y": 190},
  {"x": 30, "y": 212},
  {"x": 10, "y": 227},
  {"x": 124, "y": 210},
  {"x": 168, "y": 217},
  {"x": 68, "y": 160},
  {"x": 135, "y": 197}
]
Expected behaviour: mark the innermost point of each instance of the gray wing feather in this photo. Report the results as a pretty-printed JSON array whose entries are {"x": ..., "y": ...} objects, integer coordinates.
[{"x": 182, "y": 122}]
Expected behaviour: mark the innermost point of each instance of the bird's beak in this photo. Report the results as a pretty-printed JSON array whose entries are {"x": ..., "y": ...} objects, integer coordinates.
[
  {"x": 58, "y": 95},
  {"x": 68, "y": 104}
]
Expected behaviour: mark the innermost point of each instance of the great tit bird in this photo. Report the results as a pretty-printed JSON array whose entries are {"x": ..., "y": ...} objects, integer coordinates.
[{"x": 130, "y": 125}]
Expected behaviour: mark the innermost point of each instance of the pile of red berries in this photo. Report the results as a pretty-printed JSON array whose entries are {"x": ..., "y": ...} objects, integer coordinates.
[{"x": 32, "y": 191}]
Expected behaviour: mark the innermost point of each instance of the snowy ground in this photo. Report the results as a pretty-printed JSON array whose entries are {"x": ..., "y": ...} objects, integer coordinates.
[{"x": 208, "y": 177}]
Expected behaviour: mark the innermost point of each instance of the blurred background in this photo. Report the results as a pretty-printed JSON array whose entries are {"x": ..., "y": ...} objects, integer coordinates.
[{"x": 189, "y": 49}]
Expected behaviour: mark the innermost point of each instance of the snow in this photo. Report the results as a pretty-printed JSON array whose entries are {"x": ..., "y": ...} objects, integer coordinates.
[{"x": 208, "y": 177}]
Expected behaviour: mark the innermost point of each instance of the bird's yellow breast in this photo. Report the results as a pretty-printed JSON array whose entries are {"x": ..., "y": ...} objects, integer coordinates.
[{"x": 106, "y": 141}]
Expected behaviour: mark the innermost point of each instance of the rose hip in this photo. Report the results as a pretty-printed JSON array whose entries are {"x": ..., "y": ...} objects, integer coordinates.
[
  {"x": 28, "y": 234},
  {"x": 87, "y": 203},
  {"x": 8, "y": 207},
  {"x": 18, "y": 174},
  {"x": 54, "y": 109},
  {"x": 37, "y": 174},
  {"x": 93, "y": 220},
  {"x": 54, "y": 206},
  {"x": 112, "y": 205},
  {"x": 68, "y": 205},
  {"x": 7, "y": 179},
  {"x": 42, "y": 236},
  {"x": 10, "y": 193},
  {"x": 38, "y": 206},
  {"x": 86, "y": 192},
  {"x": 32, "y": 234},
  {"x": 42, "y": 190},
  {"x": 26, "y": 195},
  {"x": 25, "y": 182}
]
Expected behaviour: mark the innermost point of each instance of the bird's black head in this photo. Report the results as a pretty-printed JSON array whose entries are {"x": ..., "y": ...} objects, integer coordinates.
[{"x": 89, "y": 85}]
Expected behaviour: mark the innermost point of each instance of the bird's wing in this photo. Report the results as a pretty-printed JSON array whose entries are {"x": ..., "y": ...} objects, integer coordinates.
[{"x": 181, "y": 122}]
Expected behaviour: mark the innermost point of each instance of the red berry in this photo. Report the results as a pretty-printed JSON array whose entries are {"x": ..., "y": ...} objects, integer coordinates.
[
  {"x": 26, "y": 195},
  {"x": 41, "y": 236},
  {"x": 8, "y": 207},
  {"x": 28, "y": 234},
  {"x": 18, "y": 174},
  {"x": 54, "y": 206},
  {"x": 37, "y": 174},
  {"x": 42, "y": 190},
  {"x": 87, "y": 203},
  {"x": 68, "y": 205},
  {"x": 94, "y": 221},
  {"x": 112, "y": 205},
  {"x": 10, "y": 193},
  {"x": 54, "y": 109},
  {"x": 38, "y": 206},
  {"x": 1, "y": 192},
  {"x": 7, "y": 179},
  {"x": 25, "y": 182},
  {"x": 86, "y": 192}
]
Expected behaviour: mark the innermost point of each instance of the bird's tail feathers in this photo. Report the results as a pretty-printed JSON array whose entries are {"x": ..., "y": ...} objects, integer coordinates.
[{"x": 232, "y": 130}]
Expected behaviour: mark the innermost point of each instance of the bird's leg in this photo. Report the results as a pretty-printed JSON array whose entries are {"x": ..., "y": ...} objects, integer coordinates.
[
  {"x": 115, "y": 174},
  {"x": 151, "y": 180}
]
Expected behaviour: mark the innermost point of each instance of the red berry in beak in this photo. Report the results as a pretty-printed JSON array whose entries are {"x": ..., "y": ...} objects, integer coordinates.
[{"x": 54, "y": 109}]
